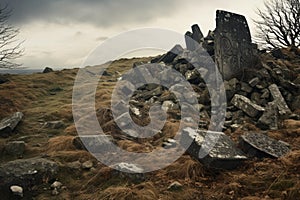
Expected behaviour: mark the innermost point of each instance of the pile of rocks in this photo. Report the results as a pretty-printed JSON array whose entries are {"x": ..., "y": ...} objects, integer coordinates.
[{"x": 259, "y": 87}]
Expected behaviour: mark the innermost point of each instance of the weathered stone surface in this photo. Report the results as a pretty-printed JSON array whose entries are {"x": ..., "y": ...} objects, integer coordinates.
[
  {"x": 197, "y": 33},
  {"x": 190, "y": 44},
  {"x": 260, "y": 145},
  {"x": 15, "y": 148},
  {"x": 8, "y": 124},
  {"x": 245, "y": 104},
  {"x": 223, "y": 155},
  {"x": 95, "y": 143},
  {"x": 26, "y": 173},
  {"x": 16, "y": 190},
  {"x": 233, "y": 47},
  {"x": 269, "y": 119},
  {"x": 283, "y": 108}
]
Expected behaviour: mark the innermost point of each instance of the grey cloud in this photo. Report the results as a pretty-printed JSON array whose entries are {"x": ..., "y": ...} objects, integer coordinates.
[{"x": 103, "y": 13}]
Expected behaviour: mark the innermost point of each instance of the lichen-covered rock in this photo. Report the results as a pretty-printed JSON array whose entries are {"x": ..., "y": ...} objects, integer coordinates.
[{"x": 260, "y": 145}]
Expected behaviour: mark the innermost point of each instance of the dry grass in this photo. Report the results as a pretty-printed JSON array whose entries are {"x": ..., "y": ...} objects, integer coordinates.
[{"x": 31, "y": 94}]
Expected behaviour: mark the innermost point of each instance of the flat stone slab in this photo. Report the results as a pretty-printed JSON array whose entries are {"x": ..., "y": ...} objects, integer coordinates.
[
  {"x": 223, "y": 155},
  {"x": 8, "y": 124},
  {"x": 246, "y": 105},
  {"x": 260, "y": 145}
]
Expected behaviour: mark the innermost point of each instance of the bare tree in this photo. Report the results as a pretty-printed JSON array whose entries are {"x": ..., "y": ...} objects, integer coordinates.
[
  {"x": 279, "y": 24},
  {"x": 10, "y": 47}
]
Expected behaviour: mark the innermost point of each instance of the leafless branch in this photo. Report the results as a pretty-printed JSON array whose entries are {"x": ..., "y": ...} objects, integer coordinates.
[
  {"x": 279, "y": 24},
  {"x": 10, "y": 47}
]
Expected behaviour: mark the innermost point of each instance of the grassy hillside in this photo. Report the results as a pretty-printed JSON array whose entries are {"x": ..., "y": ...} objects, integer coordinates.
[{"x": 48, "y": 97}]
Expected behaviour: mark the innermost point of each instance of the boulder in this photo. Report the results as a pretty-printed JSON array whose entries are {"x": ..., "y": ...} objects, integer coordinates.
[
  {"x": 47, "y": 70},
  {"x": 26, "y": 173},
  {"x": 223, "y": 155},
  {"x": 260, "y": 145},
  {"x": 246, "y": 105},
  {"x": 197, "y": 34},
  {"x": 8, "y": 124}
]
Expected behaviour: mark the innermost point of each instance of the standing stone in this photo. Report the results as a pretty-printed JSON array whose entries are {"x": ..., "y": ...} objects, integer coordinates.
[
  {"x": 283, "y": 108},
  {"x": 197, "y": 34},
  {"x": 194, "y": 38},
  {"x": 233, "y": 47},
  {"x": 190, "y": 43},
  {"x": 8, "y": 124}
]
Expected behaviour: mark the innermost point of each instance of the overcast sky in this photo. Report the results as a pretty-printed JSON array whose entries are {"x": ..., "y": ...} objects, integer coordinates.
[{"x": 62, "y": 33}]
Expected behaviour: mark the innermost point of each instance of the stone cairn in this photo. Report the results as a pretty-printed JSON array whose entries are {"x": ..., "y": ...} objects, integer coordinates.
[{"x": 257, "y": 91}]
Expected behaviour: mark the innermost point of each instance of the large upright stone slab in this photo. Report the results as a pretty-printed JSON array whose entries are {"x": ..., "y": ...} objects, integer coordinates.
[
  {"x": 233, "y": 47},
  {"x": 194, "y": 38}
]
